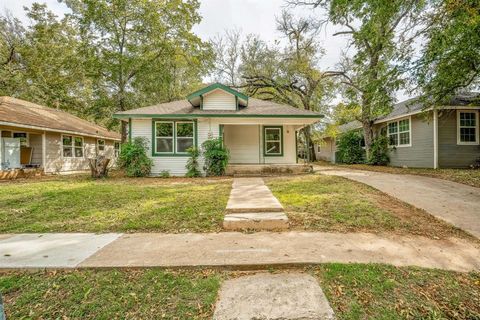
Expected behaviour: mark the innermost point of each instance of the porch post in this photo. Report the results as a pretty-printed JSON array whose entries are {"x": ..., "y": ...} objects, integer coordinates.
[
  {"x": 44, "y": 151},
  {"x": 435, "y": 139}
]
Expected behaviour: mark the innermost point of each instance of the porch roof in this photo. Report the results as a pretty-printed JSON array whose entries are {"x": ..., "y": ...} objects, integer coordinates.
[
  {"x": 182, "y": 108},
  {"x": 20, "y": 113}
]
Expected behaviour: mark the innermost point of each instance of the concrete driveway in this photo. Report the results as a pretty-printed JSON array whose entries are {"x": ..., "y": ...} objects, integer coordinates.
[{"x": 453, "y": 202}]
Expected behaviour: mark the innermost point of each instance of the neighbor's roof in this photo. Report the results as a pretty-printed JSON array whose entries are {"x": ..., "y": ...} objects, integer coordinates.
[
  {"x": 16, "y": 112},
  {"x": 183, "y": 108},
  {"x": 415, "y": 106}
]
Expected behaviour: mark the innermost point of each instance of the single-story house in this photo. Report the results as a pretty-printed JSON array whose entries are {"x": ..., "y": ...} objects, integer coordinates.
[
  {"x": 446, "y": 136},
  {"x": 258, "y": 133},
  {"x": 34, "y": 136}
]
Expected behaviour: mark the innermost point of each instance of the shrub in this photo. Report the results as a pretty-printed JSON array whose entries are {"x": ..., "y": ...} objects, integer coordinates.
[
  {"x": 379, "y": 151},
  {"x": 165, "y": 174},
  {"x": 216, "y": 157},
  {"x": 349, "y": 148},
  {"x": 192, "y": 163},
  {"x": 133, "y": 158}
]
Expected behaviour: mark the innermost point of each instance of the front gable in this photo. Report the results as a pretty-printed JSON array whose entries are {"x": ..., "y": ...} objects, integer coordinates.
[{"x": 218, "y": 97}]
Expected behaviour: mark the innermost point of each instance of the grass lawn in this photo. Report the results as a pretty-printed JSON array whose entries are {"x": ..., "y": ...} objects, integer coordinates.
[
  {"x": 336, "y": 204},
  {"x": 355, "y": 291},
  {"x": 80, "y": 204},
  {"x": 469, "y": 177},
  {"x": 109, "y": 294}
]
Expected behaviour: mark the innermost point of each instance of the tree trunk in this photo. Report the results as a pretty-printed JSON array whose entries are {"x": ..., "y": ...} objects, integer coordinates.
[
  {"x": 124, "y": 131},
  {"x": 310, "y": 146},
  {"x": 368, "y": 136},
  {"x": 99, "y": 167}
]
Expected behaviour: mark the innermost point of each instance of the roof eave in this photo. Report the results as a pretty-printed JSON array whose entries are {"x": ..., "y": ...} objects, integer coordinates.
[{"x": 216, "y": 115}]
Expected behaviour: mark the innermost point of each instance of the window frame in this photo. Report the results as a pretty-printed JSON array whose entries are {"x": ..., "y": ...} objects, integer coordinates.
[
  {"x": 176, "y": 137},
  {"x": 174, "y": 152},
  {"x": 104, "y": 145},
  {"x": 477, "y": 128},
  {"x": 72, "y": 146},
  {"x": 265, "y": 154},
  {"x": 397, "y": 121},
  {"x": 27, "y": 144},
  {"x": 116, "y": 151}
]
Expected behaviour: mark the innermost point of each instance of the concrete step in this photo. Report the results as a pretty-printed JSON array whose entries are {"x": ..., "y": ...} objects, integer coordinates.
[{"x": 255, "y": 221}]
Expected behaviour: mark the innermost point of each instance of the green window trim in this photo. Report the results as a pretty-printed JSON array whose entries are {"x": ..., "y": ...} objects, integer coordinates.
[
  {"x": 174, "y": 152},
  {"x": 265, "y": 128}
]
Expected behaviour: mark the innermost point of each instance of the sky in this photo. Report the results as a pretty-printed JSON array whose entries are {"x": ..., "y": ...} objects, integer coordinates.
[{"x": 249, "y": 16}]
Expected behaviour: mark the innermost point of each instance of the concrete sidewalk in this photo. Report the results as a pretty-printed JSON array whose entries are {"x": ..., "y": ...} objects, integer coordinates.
[
  {"x": 453, "y": 202},
  {"x": 235, "y": 250}
]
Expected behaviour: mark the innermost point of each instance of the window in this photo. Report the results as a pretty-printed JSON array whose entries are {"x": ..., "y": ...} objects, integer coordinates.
[
  {"x": 100, "y": 145},
  {"x": 399, "y": 133},
  {"x": 72, "y": 147},
  {"x": 23, "y": 138},
  {"x": 273, "y": 141},
  {"x": 172, "y": 137},
  {"x": 467, "y": 132},
  {"x": 184, "y": 136},
  {"x": 116, "y": 149}
]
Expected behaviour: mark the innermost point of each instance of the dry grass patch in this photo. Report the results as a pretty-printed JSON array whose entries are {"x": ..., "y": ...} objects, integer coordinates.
[{"x": 336, "y": 204}]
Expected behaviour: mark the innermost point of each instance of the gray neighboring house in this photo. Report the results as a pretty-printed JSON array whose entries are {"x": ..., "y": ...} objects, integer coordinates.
[{"x": 442, "y": 137}]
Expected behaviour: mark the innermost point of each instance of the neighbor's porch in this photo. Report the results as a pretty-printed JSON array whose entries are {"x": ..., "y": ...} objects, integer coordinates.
[{"x": 21, "y": 148}]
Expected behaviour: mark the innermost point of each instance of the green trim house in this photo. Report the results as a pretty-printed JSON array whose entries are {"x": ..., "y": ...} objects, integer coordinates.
[{"x": 257, "y": 133}]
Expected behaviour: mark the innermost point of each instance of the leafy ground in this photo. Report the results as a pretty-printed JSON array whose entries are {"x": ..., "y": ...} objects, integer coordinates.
[
  {"x": 355, "y": 291},
  {"x": 359, "y": 291},
  {"x": 469, "y": 177},
  {"x": 109, "y": 294},
  {"x": 336, "y": 204},
  {"x": 80, "y": 204}
]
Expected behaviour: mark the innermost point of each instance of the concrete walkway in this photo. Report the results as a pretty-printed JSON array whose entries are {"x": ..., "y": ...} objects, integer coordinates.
[
  {"x": 252, "y": 205},
  {"x": 234, "y": 249},
  {"x": 453, "y": 202}
]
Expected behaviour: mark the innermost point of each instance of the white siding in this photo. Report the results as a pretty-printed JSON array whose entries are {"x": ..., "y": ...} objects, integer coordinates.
[
  {"x": 243, "y": 142},
  {"x": 35, "y": 142},
  {"x": 219, "y": 100},
  {"x": 175, "y": 165},
  {"x": 325, "y": 150}
]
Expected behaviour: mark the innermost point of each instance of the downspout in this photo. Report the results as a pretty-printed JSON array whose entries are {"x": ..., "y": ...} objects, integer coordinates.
[
  {"x": 44, "y": 151},
  {"x": 435, "y": 139}
]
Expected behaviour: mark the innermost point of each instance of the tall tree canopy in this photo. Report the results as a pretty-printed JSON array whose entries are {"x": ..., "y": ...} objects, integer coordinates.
[
  {"x": 381, "y": 35},
  {"x": 450, "y": 61},
  {"x": 41, "y": 62},
  {"x": 140, "y": 51}
]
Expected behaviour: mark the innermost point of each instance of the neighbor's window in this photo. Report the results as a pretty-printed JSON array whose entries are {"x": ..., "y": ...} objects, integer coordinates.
[
  {"x": 23, "y": 138},
  {"x": 172, "y": 137},
  {"x": 184, "y": 136},
  {"x": 467, "y": 127},
  {"x": 273, "y": 141},
  {"x": 100, "y": 145},
  {"x": 72, "y": 146},
  {"x": 399, "y": 133},
  {"x": 116, "y": 149}
]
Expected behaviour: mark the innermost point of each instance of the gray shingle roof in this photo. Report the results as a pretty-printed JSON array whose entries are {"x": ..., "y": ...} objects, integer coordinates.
[
  {"x": 256, "y": 107},
  {"x": 19, "y": 112}
]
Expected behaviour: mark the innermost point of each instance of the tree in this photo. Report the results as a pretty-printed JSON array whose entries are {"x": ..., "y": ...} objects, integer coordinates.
[
  {"x": 450, "y": 61},
  {"x": 288, "y": 74},
  {"x": 41, "y": 63},
  {"x": 381, "y": 33},
  {"x": 227, "y": 50},
  {"x": 139, "y": 51}
]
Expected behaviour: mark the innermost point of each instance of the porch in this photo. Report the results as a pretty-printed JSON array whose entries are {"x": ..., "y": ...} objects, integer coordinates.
[{"x": 21, "y": 149}]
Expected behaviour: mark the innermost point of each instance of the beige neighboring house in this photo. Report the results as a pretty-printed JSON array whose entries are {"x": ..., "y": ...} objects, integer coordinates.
[
  {"x": 34, "y": 136},
  {"x": 260, "y": 135}
]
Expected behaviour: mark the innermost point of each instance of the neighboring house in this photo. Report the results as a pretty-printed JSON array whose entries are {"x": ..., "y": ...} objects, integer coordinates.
[
  {"x": 34, "y": 136},
  {"x": 443, "y": 137},
  {"x": 257, "y": 133}
]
